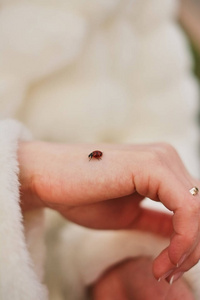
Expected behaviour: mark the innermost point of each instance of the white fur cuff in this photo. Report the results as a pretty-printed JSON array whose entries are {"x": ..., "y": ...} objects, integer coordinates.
[{"x": 18, "y": 281}]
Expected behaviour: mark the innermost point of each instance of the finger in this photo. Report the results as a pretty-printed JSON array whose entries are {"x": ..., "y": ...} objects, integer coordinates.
[
  {"x": 186, "y": 208},
  {"x": 162, "y": 265},
  {"x": 118, "y": 213},
  {"x": 154, "y": 221},
  {"x": 165, "y": 265},
  {"x": 164, "y": 269},
  {"x": 191, "y": 260},
  {"x": 186, "y": 228}
]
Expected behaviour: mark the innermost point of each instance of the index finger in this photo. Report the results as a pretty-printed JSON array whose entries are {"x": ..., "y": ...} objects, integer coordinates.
[{"x": 186, "y": 209}]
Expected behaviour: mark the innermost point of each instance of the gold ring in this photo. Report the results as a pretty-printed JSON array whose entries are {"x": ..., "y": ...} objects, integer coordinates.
[{"x": 194, "y": 190}]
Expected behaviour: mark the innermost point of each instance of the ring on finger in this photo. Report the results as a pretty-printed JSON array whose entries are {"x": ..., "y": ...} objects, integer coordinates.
[{"x": 194, "y": 191}]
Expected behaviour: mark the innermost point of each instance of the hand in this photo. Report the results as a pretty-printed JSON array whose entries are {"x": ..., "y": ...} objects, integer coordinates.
[
  {"x": 107, "y": 193},
  {"x": 133, "y": 279}
]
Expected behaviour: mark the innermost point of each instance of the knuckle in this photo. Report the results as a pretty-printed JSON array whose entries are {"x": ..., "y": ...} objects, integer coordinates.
[
  {"x": 164, "y": 153},
  {"x": 165, "y": 148},
  {"x": 154, "y": 158}
]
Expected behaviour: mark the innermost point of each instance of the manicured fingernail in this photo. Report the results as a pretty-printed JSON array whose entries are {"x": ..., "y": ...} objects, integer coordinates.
[
  {"x": 182, "y": 259},
  {"x": 175, "y": 277},
  {"x": 165, "y": 275},
  {"x": 171, "y": 280}
]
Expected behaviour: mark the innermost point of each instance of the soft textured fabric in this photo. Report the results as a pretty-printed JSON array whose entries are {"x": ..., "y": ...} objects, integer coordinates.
[
  {"x": 18, "y": 276},
  {"x": 99, "y": 71},
  {"x": 89, "y": 71}
]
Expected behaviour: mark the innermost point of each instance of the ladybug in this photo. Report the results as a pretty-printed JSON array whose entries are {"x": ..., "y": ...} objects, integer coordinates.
[{"x": 96, "y": 154}]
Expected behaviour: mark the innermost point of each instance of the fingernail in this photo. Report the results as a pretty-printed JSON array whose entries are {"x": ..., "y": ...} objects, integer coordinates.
[
  {"x": 182, "y": 259},
  {"x": 171, "y": 280},
  {"x": 175, "y": 277},
  {"x": 165, "y": 275},
  {"x": 159, "y": 279}
]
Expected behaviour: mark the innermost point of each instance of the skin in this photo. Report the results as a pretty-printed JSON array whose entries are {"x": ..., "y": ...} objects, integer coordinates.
[
  {"x": 107, "y": 193},
  {"x": 133, "y": 280}
]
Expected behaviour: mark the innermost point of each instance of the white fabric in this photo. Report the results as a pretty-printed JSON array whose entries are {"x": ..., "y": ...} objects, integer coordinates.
[{"x": 18, "y": 280}]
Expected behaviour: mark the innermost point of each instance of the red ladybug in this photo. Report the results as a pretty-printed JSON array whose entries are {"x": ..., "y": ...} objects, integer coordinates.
[{"x": 96, "y": 154}]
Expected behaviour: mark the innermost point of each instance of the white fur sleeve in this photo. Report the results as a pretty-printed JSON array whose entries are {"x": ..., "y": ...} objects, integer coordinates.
[{"x": 18, "y": 279}]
